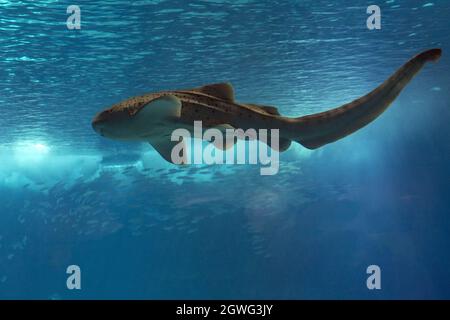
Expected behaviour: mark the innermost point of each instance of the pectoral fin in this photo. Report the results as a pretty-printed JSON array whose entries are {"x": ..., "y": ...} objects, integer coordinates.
[
  {"x": 172, "y": 151},
  {"x": 164, "y": 107}
]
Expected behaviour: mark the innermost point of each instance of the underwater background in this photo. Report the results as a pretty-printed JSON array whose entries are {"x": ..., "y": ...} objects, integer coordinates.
[{"x": 140, "y": 228}]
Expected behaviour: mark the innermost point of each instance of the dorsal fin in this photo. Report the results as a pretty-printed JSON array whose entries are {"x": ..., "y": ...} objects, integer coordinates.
[
  {"x": 223, "y": 91},
  {"x": 271, "y": 110},
  {"x": 268, "y": 109}
]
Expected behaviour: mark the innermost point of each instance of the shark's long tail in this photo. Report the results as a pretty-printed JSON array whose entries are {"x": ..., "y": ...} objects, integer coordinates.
[{"x": 319, "y": 129}]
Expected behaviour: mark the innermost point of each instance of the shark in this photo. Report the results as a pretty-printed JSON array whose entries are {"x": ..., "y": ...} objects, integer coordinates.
[{"x": 153, "y": 117}]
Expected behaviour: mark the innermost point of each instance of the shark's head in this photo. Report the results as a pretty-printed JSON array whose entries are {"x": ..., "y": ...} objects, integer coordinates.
[
  {"x": 136, "y": 118},
  {"x": 117, "y": 122}
]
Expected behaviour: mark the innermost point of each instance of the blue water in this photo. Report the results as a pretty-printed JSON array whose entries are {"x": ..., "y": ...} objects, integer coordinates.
[{"x": 141, "y": 228}]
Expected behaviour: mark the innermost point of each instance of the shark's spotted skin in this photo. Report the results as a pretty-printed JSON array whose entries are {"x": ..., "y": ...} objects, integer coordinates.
[{"x": 152, "y": 117}]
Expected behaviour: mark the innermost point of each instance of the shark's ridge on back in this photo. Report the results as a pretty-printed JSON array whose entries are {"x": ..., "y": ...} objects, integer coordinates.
[{"x": 152, "y": 117}]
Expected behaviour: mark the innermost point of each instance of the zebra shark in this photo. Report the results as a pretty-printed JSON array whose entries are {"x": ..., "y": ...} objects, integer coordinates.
[{"x": 153, "y": 117}]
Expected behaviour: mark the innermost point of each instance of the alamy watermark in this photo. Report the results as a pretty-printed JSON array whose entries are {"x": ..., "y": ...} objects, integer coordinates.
[
  {"x": 374, "y": 280},
  {"x": 374, "y": 20},
  {"x": 74, "y": 20},
  {"x": 74, "y": 278},
  {"x": 266, "y": 154}
]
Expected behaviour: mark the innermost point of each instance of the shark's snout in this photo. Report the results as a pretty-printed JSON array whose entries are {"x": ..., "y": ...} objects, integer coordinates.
[
  {"x": 112, "y": 124},
  {"x": 98, "y": 128},
  {"x": 99, "y": 122}
]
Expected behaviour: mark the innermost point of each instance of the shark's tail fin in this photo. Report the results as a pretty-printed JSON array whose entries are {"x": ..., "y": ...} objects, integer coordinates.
[{"x": 319, "y": 129}]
